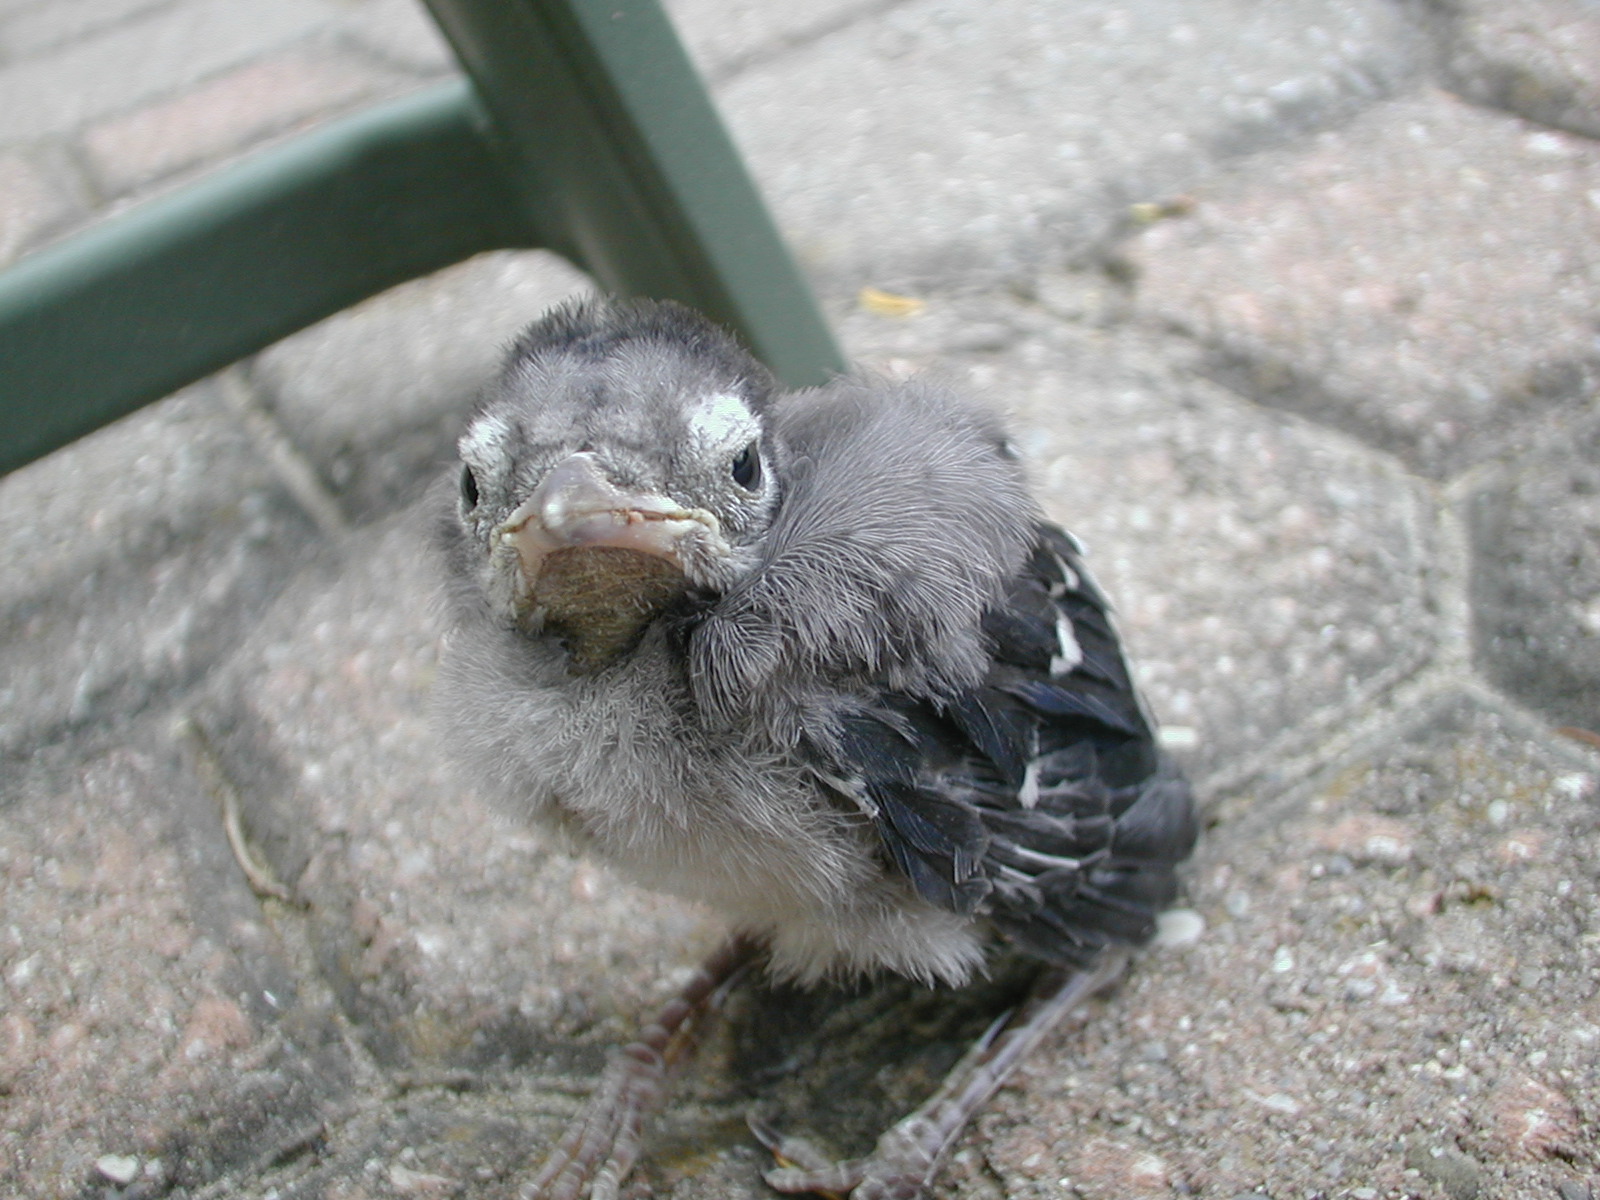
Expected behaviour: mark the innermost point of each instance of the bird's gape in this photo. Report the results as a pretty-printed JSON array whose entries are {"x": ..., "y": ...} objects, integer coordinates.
[{"x": 598, "y": 599}]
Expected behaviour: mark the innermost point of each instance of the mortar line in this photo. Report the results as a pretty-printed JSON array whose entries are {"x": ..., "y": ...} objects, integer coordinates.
[
  {"x": 1303, "y": 751},
  {"x": 1531, "y": 723},
  {"x": 292, "y": 468}
]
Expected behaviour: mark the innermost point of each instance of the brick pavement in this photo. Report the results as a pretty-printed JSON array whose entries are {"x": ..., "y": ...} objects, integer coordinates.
[{"x": 1293, "y": 306}]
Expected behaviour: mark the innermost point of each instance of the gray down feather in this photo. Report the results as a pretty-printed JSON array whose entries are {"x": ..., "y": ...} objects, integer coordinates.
[{"x": 809, "y": 657}]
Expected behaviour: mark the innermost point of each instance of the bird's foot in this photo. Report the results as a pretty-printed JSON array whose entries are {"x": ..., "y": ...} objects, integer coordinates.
[
  {"x": 599, "y": 1147},
  {"x": 903, "y": 1163},
  {"x": 898, "y": 1169}
]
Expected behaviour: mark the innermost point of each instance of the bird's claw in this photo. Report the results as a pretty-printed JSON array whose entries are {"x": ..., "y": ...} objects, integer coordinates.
[
  {"x": 791, "y": 1152},
  {"x": 802, "y": 1168}
]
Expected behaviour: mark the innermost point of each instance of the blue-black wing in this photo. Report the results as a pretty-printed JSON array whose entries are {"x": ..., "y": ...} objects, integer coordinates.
[{"x": 1039, "y": 799}]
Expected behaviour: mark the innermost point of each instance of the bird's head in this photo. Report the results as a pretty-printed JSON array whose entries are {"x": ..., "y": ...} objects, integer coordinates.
[{"x": 617, "y": 464}]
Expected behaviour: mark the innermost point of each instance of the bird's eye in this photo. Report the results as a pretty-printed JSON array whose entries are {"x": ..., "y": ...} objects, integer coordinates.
[
  {"x": 747, "y": 467},
  {"x": 469, "y": 488}
]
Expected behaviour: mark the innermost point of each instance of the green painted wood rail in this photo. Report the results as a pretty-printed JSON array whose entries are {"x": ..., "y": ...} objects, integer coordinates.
[{"x": 584, "y": 129}]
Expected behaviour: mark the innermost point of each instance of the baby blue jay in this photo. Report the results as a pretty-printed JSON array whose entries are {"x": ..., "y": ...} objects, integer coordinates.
[{"x": 812, "y": 658}]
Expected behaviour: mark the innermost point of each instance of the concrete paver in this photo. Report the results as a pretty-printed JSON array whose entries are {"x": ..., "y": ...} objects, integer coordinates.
[
  {"x": 416, "y": 357},
  {"x": 35, "y": 28},
  {"x": 1382, "y": 949},
  {"x": 723, "y": 39},
  {"x": 1292, "y": 306},
  {"x": 399, "y": 32},
  {"x": 32, "y": 203},
  {"x": 1011, "y": 148},
  {"x": 149, "y": 1013},
  {"x": 414, "y": 890},
  {"x": 135, "y": 560},
  {"x": 1424, "y": 277}
]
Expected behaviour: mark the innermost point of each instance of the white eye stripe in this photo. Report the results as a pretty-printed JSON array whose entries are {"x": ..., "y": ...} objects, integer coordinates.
[
  {"x": 482, "y": 441},
  {"x": 721, "y": 419}
]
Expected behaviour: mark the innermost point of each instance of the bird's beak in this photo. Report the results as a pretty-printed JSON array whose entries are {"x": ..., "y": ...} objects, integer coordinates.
[{"x": 576, "y": 507}]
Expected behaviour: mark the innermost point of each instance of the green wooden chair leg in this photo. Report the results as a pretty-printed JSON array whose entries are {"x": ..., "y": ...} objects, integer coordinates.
[{"x": 625, "y": 166}]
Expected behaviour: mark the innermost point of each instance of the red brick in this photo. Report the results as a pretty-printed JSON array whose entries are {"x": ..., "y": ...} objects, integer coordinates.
[
  {"x": 172, "y": 47},
  {"x": 30, "y": 204},
  {"x": 226, "y": 114}
]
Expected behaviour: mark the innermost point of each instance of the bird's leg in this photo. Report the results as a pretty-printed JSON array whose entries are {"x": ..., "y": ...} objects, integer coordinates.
[
  {"x": 599, "y": 1147},
  {"x": 910, "y": 1151}
]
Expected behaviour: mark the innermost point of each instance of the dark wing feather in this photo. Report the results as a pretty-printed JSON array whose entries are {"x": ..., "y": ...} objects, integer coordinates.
[
  {"x": 999, "y": 728},
  {"x": 1074, "y": 705},
  {"x": 1037, "y": 799},
  {"x": 938, "y": 841}
]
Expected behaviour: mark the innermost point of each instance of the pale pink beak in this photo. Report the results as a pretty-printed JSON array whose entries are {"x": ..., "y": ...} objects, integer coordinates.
[{"x": 576, "y": 505}]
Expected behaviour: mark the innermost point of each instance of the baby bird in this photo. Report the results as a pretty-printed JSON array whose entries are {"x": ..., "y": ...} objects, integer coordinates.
[{"x": 812, "y": 658}]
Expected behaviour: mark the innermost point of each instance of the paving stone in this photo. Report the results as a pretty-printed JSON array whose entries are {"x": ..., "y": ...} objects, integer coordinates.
[
  {"x": 150, "y": 1013},
  {"x": 1265, "y": 574},
  {"x": 36, "y": 28},
  {"x": 940, "y": 142},
  {"x": 135, "y": 558},
  {"x": 376, "y": 396},
  {"x": 1536, "y": 578},
  {"x": 1335, "y": 1013},
  {"x": 165, "y": 50},
  {"x": 1425, "y": 277},
  {"x": 226, "y": 113},
  {"x": 1539, "y": 59},
  {"x": 401, "y": 32},
  {"x": 32, "y": 203}
]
